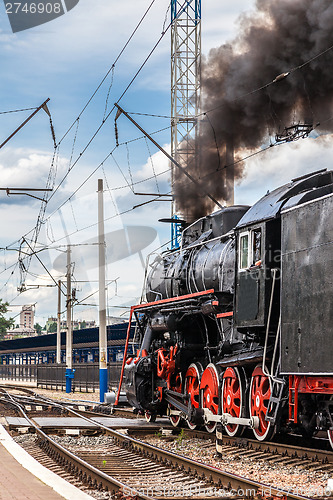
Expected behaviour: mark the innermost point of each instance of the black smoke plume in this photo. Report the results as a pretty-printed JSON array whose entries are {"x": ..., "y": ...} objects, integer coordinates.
[{"x": 279, "y": 36}]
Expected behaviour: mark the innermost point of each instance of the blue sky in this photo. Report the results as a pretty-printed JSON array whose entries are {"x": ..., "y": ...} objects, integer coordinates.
[{"x": 65, "y": 60}]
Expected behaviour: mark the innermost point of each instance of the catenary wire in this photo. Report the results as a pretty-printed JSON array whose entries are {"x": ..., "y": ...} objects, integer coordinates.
[
  {"x": 119, "y": 99},
  {"x": 286, "y": 74},
  {"x": 101, "y": 165},
  {"x": 212, "y": 109},
  {"x": 16, "y": 111},
  {"x": 109, "y": 70}
]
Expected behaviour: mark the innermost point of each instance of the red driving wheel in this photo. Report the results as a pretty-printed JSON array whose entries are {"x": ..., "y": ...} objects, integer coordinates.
[
  {"x": 232, "y": 398},
  {"x": 260, "y": 392},
  {"x": 192, "y": 386},
  {"x": 150, "y": 417},
  {"x": 175, "y": 420},
  {"x": 209, "y": 387}
]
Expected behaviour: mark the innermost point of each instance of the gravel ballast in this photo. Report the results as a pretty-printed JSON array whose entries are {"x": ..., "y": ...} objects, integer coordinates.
[{"x": 286, "y": 477}]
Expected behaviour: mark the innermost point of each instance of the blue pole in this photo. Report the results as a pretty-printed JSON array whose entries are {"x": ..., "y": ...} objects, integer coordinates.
[
  {"x": 103, "y": 383},
  {"x": 69, "y": 377}
]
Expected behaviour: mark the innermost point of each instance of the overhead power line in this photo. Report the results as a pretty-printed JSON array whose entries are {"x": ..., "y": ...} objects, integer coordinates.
[
  {"x": 105, "y": 119},
  {"x": 109, "y": 114},
  {"x": 185, "y": 172},
  {"x": 109, "y": 70},
  {"x": 277, "y": 79},
  {"x": 42, "y": 106},
  {"x": 16, "y": 111}
]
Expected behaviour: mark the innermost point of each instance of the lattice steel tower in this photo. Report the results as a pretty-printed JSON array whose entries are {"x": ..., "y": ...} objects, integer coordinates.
[{"x": 185, "y": 80}]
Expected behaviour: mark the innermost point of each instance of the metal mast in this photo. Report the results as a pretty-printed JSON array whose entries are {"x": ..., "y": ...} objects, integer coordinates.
[
  {"x": 185, "y": 81},
  {"x": 103, "y": 340}
]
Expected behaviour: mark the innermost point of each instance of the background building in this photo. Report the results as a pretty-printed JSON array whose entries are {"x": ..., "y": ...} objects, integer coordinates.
[{"x": 27, "y": 317}]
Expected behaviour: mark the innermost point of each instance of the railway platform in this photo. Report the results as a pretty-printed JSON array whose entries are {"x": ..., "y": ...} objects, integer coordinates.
[{"x": 23, "y": 478}]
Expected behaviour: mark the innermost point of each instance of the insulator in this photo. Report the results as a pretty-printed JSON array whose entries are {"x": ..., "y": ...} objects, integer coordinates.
[{"x": 280, "y": 77}]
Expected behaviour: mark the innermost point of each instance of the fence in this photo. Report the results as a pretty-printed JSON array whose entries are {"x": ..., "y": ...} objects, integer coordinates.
[
  {"x": 52, "y": 376},
  {"x": 20, "y": 373}
]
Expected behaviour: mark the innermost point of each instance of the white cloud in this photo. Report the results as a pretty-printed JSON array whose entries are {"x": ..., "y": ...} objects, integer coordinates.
[
  {"x": 219, "y": 21},
  {"x": 25, "y": 168},
  {"x": 282, "y": 163},
  {"x": 157, "y": 163}
]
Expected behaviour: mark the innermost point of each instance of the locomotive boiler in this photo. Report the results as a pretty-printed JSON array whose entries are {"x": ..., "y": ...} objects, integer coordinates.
[{"x": 236, "y": 330}]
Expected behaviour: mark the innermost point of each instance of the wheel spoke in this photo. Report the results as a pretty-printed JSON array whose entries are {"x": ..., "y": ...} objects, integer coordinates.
[
  {"x": 191, "y": 386},
  {"x": 235, "y": 389},
  {"x": 266, "y": 390},
  {"x": 261, "y": 381},
  {"x": 232, "y": 399},
  {"x": 260, "y": 392},
  {"x": 209, "y": 386}
]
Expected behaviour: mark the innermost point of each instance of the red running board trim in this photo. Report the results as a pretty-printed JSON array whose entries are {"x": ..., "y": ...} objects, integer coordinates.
[{"x": 225, "y": 315}]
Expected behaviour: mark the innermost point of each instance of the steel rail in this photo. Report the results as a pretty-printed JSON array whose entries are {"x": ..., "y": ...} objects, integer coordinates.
[
  {"x": 213, "y": 474},
  {"x": 17, "y": 388},
  {"x": 287, "y": 450},
  {"x": 86, "y": 472}
]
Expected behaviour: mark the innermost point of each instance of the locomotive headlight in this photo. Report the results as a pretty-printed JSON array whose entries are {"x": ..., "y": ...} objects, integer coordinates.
[{"x": 166, "y": 336}]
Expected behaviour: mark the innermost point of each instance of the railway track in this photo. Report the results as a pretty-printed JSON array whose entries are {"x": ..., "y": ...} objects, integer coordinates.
[
  {"x": 153, "y": 467},
  {"x": 251, "y": 447},
  {"x": 32, "y": 447},
  {"x": 35, "y": 404},
  {"x": 112, "y": 466}
]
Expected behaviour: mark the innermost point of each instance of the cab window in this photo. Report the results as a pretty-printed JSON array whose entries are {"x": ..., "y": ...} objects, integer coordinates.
[
  {"x": 244, "y": 251},
  {"x": 256, "y": 248}
]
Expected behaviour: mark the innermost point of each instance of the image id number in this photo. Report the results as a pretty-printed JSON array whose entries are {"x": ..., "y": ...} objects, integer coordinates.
[{"x": 33, "y": 8}]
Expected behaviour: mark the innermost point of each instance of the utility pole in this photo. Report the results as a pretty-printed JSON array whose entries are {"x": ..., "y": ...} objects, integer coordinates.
[
  {"x": 69, "y": 334},
  {"x": 103, "y": 348},
  {"x": 59, "y": 324}
]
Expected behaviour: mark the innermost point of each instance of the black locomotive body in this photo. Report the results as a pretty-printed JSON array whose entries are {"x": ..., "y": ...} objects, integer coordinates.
[{"x": 237, "y": 328}]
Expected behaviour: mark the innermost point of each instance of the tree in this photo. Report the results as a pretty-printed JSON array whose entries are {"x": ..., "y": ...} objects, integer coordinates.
[
  {"x": 83, "y": 325},
  {"x": 38, "y": 328},
  {"x": 52, "y": 328},
  {"x": 5, "y": 324}
]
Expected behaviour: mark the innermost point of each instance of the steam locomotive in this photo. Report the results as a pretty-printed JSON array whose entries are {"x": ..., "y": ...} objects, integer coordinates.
[{"x": 238, "y": 325}]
